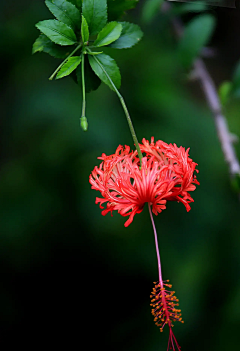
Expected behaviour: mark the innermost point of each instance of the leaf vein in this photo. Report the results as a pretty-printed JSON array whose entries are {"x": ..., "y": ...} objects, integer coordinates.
[
  {"x": 64, "y": 35},
  {"x": 65, "y": 13}
]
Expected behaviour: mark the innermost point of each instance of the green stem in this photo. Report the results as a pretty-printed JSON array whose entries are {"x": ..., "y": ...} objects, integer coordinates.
[
  {"x": 135, "y": 140},
  {"x": 83, "y": 88},
  {"x": 83, "y": 119},
  {"x": 60, "y": 66}
]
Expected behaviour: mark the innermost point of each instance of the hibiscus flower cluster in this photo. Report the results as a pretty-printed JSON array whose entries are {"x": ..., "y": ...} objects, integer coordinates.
[{"x": 126, "y": 182}]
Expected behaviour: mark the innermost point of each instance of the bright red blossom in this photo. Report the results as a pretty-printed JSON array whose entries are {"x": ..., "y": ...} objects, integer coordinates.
[{"x": 167, "y": 173}]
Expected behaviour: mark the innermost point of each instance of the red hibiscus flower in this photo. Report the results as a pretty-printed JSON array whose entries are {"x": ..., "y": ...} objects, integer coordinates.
[{"x": 167, "y": 173}]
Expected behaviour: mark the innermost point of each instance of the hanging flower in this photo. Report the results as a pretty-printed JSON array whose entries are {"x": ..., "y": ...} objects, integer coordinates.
[{"x": 166, "y": 173}]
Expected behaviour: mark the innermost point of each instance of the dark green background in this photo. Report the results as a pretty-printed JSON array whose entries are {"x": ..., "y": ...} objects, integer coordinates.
[{"x": 66, "y": 272}]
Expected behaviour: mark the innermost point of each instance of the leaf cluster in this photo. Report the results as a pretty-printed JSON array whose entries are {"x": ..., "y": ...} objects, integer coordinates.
[{"x": 82, "y": 28}]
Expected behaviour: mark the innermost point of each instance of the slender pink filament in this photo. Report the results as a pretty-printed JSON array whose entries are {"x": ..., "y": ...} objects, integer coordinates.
[{"x": 156, "y": 244}]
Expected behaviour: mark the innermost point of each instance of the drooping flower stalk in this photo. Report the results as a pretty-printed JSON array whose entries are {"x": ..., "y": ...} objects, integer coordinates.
[
  {"x": 156, "y": 245},
  {"x": 130, "y": 124},
  {"x": 163, "y": 301}
]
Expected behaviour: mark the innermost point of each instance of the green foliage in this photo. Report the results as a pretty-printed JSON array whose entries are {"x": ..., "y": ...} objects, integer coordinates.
[
  {"x": 57, "y": 32},
  {"x": 230, "y": 89},
  {"x": 224, "y": 92},
  {"x": 110, "y": 33},
  {"x": 65, "y": 12},
  {"x": 64, "y": 31},
  {"x": 95, "y": 13},
  {"x": 44, "y": 44},
  {"x": 196, "y": 34},
  {"x": 116, "y": 8},
  {"x": 84, "y": 30},
  {"x": 131, "y": 34},
  {"x": 150, "y": 9},
  {"x": 69, "y": 66},
  {"x": 77, "y": 3},
  {"x": 107, "y": 65}
]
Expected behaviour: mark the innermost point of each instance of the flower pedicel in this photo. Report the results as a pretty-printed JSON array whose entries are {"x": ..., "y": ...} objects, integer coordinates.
[{"x": 167, "y": 173}]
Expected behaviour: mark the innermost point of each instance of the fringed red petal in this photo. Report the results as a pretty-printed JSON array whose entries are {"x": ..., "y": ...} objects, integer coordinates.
[{"x": 166, "y": 174}]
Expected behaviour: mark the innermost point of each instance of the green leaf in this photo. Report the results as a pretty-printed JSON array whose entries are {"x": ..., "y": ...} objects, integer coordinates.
[
  {"x": 95, "y": 13},
  {"x": 84, "y": 30},
  {"x": 150, "y": 9},
  {"x": 109, "y": 66},
  {"x": 44, "y": 44},
  {"x": 69, "y": 66},
  {"x": 65, "y": 12},
  {"x": 196, "y": 35},
  {"x": 131, "y": 34},
  {"x": 108, "y": 34},
  {"x": 92, "y": 81},
  {"x": 117, "y": 8},
  {"x": 224, "y": 92},
  {"x": 77, "y": 3},
  {"x": 57, "y": 32},
  {"x": 38, "y": 45}
]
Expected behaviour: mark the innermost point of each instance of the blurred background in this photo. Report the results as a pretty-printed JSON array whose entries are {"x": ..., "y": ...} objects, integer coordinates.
[{"x": 69, "y": 276}]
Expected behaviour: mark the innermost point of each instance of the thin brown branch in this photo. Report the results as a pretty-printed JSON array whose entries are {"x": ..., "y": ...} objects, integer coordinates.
[
  {"x": 221, "y": 124},
  {"x": 201, "y": 73}
]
